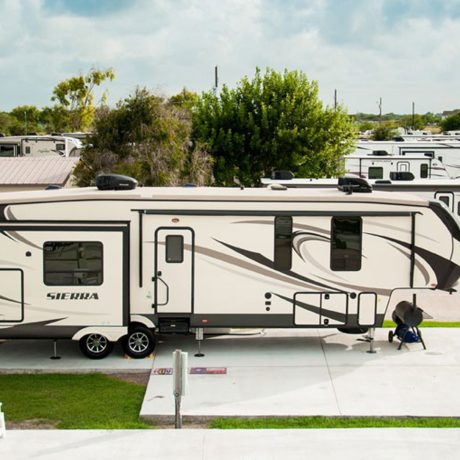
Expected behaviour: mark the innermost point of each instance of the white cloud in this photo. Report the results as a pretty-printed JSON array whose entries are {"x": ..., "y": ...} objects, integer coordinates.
[{"x": 364, "y": 49}]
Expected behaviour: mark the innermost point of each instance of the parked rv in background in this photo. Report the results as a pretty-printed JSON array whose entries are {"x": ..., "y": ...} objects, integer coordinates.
[
  {"x": 36, "y": 146},
  {"x": 445, "y": 152},
  {"x": 445, "y": 190},
  {"x": 378, "y": 164}
]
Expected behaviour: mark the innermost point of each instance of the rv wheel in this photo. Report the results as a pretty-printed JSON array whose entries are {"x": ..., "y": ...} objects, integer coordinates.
[
  {"x": 139, "y": 342},
  {"x": 95, "y": 346}
]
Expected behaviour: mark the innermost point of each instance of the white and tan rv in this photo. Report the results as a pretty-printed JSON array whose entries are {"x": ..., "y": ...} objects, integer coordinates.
[
  {"x": 98, "y": 266},
  {"x": 39, "y": 146}
]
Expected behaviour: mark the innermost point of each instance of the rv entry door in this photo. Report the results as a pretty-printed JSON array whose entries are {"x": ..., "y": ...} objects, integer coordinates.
[{"x": 174, "y": 270}]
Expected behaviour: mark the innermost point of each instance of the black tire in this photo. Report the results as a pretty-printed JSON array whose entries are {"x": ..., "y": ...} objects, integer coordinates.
[
  {"x": 390, "y": 336},
  {"x": 139, "y": 343},
  {"x": 95, "y": 346},
  {"x": 353, "y": 330}
]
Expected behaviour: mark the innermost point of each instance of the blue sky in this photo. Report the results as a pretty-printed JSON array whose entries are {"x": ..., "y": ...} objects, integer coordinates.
[{"x": 402, "y": 51}]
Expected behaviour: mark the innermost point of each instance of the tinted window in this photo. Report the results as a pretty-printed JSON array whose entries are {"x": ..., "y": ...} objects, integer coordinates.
[
  {"x": 174, "y": 249},
  {"x": 60, "y": 146},
  {"x": 375, "y": 172},
  {"x": 423, "y": 170},
  {"x": 346, "y": 240},
  {"x": 445, "y": 199},
  {"x": 72, "y": 263},
  {"x": 283, "y": 238},
  {"x": 401, "y": 175}
]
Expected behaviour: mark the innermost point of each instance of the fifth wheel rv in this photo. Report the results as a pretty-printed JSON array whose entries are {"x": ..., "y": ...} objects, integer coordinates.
[{"x": 98, "y": 265}]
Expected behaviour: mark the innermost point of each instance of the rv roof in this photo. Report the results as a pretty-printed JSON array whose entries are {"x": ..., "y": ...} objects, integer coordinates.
[{"x": 208, "y": 194}]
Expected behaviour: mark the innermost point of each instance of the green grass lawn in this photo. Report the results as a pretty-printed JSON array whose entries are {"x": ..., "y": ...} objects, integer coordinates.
[
  {"x": 336, "y": 422},
  {"x": 72, "y": 401},
  {"x": 391, "y": 324}
]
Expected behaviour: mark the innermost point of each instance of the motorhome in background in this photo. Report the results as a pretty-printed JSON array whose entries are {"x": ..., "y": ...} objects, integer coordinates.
[
  {"x": 119, "y": 262},
  {"x": 445, "y": 190},
  {"x": 445, "y": 152},
  {"x": 33, "y": 146},
  {"x": 378, "y": 164}
]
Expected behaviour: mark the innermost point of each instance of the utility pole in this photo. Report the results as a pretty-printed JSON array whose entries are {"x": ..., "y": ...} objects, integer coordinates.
[
  {"x": 216, "y": 79},
  {"x": 380, "y": 110},
  {"x": 25, "y": 123},
  {"x": 335, "y": 99},
  {"x": 413, "y": 115}
]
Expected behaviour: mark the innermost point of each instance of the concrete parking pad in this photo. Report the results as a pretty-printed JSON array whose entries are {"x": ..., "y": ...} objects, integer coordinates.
[
  {"x": 356, "y": 444},
  {"x": 311, "y": 372},
  {"x": 29, "y": 356}
]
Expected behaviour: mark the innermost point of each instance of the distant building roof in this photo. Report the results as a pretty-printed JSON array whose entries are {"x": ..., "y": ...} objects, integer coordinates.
[{"x": 36, "y": 170}]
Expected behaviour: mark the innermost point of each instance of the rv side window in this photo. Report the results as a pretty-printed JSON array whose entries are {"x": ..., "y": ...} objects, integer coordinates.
[
  {"x": 346, "y": 236},
  {"x": 60, "y": 146},
  {"x": 174, "y": 249},
  {"x": 68, "y": 263},
  {"x": 375, "y": 172},
  {"x": 283, "y": 238},
  {"x": 423, "y": 170},
  {"x": 27, "y": 152},
  {"x": 445, "y": 199}
]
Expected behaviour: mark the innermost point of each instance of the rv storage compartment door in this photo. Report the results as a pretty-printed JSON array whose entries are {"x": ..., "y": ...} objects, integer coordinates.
[
  {"x": 320, "y": 308},
  {"x": 174, "y": 264},
  {"x": 11, "y": 295}
]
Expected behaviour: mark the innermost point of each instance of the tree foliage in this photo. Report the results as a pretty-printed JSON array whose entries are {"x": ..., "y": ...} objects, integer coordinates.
[
  {"x": 76, "y": 94},
  {"x": 384, "y": 131},
  {"x": 451, "y": 123},
  {"x": 274, "y": 121},
  {"x": 148, "y": 138}
]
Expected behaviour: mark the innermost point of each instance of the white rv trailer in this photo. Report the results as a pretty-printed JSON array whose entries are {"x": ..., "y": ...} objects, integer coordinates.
[
  {"x": 380, "y": 165},
  {"x": 102, "y": 265},
  {"x": 444, "y": 190},
  {"x": 33, "y": 146},
  {"x": 446, "y": 152}
]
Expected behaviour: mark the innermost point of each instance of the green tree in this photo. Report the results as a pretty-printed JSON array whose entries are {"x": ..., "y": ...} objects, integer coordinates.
[
  {"x": 55, "y": 119},
  {"x": 274, "y": 121},
  {"x": 416, "y": 121},
  {"x": 451, "y": 123},
  {"x": 147, "y": 138},
  {"x": 6, "y": 122},
  {"x": 76, "y": 94},
  {"x": 385, "y": 131},
  {"x": 27, "y": 120}
]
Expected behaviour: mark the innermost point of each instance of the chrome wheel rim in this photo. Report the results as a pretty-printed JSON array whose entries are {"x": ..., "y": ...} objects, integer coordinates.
[
  {"x": 96, "y": 343},
  {"x": 138, "y": 342}
]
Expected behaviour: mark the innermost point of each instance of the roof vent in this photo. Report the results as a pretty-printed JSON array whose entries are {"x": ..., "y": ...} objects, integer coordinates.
[
  {"x": 277, "y": 187},
  {"x": 380, "y": 153},
  {"x": 350, "y": 184},
  {"x": 115, "y": 182},
  {"x": 282, "y": 175}
]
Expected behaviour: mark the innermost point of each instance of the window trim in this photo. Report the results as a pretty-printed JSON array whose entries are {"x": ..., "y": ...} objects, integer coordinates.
[
  {"x": 73, "y": 271},
  {"x": 360, "y": 220}
]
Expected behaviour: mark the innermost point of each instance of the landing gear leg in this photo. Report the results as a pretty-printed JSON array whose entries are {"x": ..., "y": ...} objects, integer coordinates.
[
  {"x": 371, "y": 340},
  {"x": 199, "y": 337}
]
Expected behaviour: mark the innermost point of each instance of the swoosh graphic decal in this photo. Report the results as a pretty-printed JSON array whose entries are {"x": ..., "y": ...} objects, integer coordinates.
[
  {"x": 447, "y": 272},
  {"x": 24, "y": 240},
  {"x": 10, "y": 300},
  {"x": 259, "y": 258}
]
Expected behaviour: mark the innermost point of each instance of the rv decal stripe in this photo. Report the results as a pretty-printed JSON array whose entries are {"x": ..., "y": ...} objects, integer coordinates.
[
  {"x": 246, "y": 265},
  {"x": 259, "y": 258},
  {"x": 24, "y": 240},
  {"x": 10, "y": 300},
  {"x": 447, "y": 272}
]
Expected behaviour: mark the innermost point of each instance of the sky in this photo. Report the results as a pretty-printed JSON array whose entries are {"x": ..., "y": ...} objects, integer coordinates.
[{"x": 400, "y": 51}]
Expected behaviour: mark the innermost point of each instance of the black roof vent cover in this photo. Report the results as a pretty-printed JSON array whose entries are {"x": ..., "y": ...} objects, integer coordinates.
[
  {"x": 380, "y": 153},
  {"x": 282, "y": 175},
  {"x": 350, "y": 184},
  {"x": 115, "y": 182}
]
